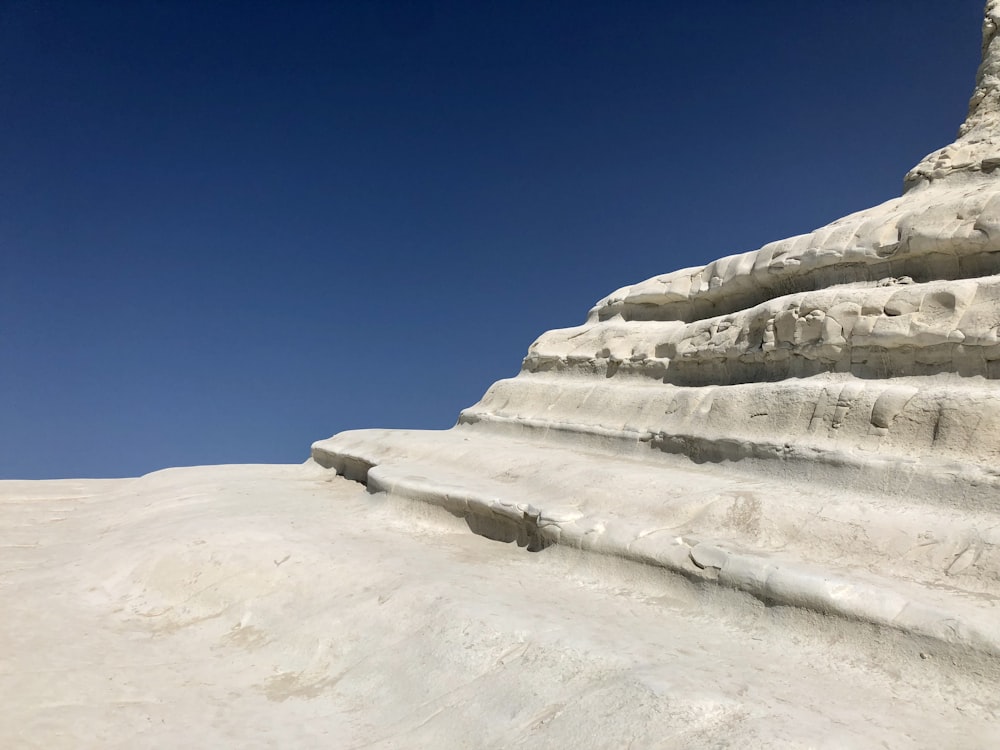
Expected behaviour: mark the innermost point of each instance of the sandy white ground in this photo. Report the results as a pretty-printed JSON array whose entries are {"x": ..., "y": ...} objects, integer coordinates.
[{"x": 282, "y": 606}]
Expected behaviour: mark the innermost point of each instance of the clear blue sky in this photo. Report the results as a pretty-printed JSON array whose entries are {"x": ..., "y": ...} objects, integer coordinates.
[{"x": 228, "y": 229}]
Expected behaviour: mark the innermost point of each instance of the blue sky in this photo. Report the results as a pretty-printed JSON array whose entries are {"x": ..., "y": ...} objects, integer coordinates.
[{"x": 228, "y": 229}]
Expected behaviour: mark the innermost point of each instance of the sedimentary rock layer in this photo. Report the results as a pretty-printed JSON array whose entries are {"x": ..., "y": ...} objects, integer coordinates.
[
  {"x": 883, "y": 342},
  {"x": 870, "y": 342}
]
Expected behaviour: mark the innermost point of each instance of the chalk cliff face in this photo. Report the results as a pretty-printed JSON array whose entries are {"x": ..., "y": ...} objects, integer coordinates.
[{"x": 816, "y": 422}]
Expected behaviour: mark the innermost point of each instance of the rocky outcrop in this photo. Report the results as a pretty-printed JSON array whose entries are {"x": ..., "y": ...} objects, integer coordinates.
[
  {"x": 883, "y": 347},
  {"x": 816, "y": 422},
  {"x": 873, "y": 341},
  {"x": 977, "y": 149}
]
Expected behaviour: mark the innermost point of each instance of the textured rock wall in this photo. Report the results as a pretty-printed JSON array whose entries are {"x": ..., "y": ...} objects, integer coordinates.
[{"x": 871, "y": 342}]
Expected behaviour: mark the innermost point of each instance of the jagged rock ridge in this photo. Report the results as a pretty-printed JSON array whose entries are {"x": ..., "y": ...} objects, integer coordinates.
[{"x": 977, "y": 149}]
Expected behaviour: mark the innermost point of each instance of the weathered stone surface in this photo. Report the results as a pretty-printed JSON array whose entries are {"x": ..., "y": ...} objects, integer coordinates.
[{"x": 816, "y": 422}]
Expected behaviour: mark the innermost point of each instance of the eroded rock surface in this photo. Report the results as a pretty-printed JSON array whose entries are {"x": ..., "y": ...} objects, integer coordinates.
[{"x": 850, "y": 376}]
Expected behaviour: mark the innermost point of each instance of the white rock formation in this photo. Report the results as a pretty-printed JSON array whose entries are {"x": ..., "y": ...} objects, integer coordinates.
[
  {"x": 977, "y": 149},
  {"x": 816, "y": 422},
  {"x": 813, "y": 424}
]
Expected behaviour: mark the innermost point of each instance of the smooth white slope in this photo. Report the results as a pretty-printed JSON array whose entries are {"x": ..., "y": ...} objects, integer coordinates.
[{"x": 280, "y": 606}]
